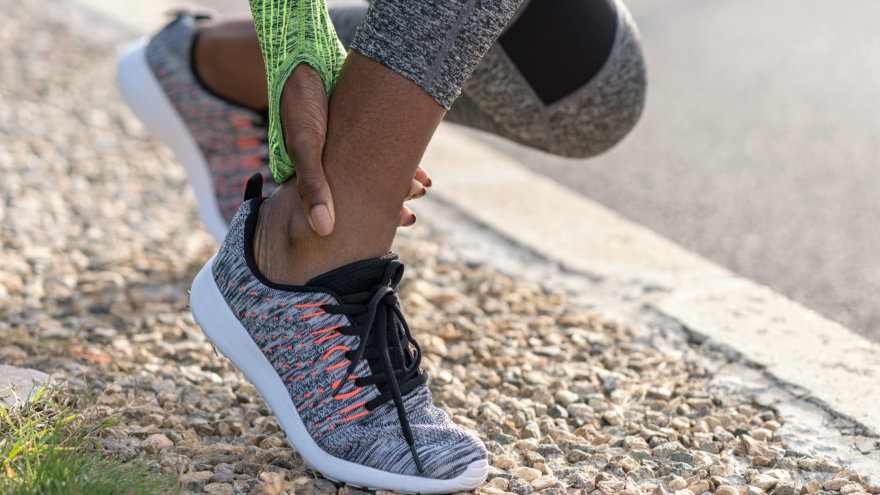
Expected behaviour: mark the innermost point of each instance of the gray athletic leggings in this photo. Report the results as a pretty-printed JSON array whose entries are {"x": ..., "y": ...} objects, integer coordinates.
[{"x": 565, "y": 76}]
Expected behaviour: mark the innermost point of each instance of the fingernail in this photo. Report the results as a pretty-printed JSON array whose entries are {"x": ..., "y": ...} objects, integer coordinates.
[
  {"x": 421, "y": 193},
  {"x": 320, "y": 219},
  {"x": 429, "y": 183},
  {"x": 412, "y": 220}
]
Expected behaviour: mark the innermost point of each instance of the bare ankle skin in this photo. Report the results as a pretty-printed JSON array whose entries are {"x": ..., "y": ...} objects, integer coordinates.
[{"x": 379, "y": 126}]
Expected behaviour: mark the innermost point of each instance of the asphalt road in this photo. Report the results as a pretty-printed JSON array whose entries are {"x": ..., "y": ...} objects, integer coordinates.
[
  {"x": 757, "y": 148},
  {"x": 759, "y": 145}
]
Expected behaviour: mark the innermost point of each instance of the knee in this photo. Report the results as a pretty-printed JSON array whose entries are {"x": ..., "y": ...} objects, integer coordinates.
[{"x": 599, "y": 115}]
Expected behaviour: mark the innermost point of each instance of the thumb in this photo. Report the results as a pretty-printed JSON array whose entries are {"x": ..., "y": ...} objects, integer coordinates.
[{"x": 314, "y": 191}]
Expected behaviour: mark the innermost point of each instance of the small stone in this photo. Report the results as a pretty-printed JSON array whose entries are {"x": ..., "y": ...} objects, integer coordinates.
[
  {"x": 812, "y": 487},
  {"x": 499, "y": 482},
  {"x": 677, "y": 483},
  {"x": 761, "y": 434},
  {"x": 826, "y": 466},
  {"x": 219, "y": 489},
  {"x": 155, "y": 443},
  {"x": 544, "y": 482},
  {"x": 527, "y": 473},
  {"x": 754, "y": 490},
  {"x": 271, "y": 443},
  {"x": 761, "y": 461},
  {"x": 873, "y": 488},
  {"x": 557, "y": 411},
  {"x": 700, "y": 487},
  {"x": 519, "y": 487},
  {"x": 660, "y": 393},
  {"x": 504, "y": 462},
  {"x": 726, "y": 490},
  {"x": 835, "y": 484},
  {"x": 684, "y": 491},
  {"x": 565, "y": 398},
  {"x": 785, "y": 489},
  {"x": 719, "y": 469},
  {"x": 851, "y": 488},
  {"x": 682, "y": 457},
  {"x": 764, "y": 481},
  {"x": 710, "y": 447},
  {"x": 530, "y": 430},
  {"x": 195, "y": 481},
  {"x": 611, "y": 486}
]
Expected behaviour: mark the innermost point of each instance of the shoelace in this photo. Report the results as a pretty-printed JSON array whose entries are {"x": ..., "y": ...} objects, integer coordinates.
[{"x": 384, "y": 341}]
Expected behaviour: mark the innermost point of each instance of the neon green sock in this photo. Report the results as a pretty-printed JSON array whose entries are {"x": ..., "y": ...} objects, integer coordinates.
[{"x": 292, "y": 32}]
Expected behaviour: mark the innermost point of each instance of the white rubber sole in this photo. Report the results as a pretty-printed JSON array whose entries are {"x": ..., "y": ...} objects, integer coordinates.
[
  {"x": 144, "y": 95},
  {"x": 224, "y": 330}
]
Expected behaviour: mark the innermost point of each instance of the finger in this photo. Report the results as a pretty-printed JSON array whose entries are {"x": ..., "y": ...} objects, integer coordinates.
[
  {"x": 304, "y": 114},
  {"x": 407, "y": 218},
  {"x": 314, "y": 192},
  {"x": 422, "y": 177},
  {"x": 416, "y": 190}
]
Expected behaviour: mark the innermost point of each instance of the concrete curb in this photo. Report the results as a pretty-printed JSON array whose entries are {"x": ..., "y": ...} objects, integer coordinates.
[{"x": 832, "y": 364}]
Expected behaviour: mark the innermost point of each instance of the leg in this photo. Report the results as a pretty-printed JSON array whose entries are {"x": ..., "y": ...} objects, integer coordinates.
[
  {"x": 380, "y": 124},
  {"x": 529, "y": 88}
]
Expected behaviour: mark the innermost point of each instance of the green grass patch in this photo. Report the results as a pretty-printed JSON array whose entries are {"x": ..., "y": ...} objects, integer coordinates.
[{"x": 48, "y": 446}]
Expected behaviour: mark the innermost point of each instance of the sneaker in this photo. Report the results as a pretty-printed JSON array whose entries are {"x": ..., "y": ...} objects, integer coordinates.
[
  {"x": 336, "y": 362},
  {"x": 219, "y": 143}
]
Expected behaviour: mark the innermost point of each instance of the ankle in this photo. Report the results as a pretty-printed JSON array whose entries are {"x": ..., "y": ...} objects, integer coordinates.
[{"x": 287, "y": 251}]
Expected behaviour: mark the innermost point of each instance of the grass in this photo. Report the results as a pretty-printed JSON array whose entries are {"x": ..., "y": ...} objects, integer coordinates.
[{"x": 48, "y": 446}]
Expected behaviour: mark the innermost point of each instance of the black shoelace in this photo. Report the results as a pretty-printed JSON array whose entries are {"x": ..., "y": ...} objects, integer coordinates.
[{"x": 385, "y": 341}]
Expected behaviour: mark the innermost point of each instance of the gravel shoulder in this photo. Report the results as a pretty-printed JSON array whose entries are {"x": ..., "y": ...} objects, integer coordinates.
[{"x": 99, "y": 244}]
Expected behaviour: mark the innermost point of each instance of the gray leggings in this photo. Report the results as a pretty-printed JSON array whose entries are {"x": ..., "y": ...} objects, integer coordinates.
[{"x": 496, "y": 95}]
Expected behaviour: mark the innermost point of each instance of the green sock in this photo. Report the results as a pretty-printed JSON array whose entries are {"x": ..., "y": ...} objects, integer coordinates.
[{"x": 292, "y": 32}]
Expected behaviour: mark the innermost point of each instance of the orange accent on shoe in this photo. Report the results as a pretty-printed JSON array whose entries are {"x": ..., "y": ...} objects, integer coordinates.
[
  {"x": 332, "y": 426},
  {"x": 351, "y": 407},
  {"x": 253, "y": 293},
  {"x": 308, "y": 305},
  {"x": 281, "y": 304},
  {"x": 337, "y": 334},
  {"x": 290, "y": 348},
  {"x": 267, "y": 299},
  {"x": 313, "y": 314},
  {"x": 308, "y": 395},
  {"x": 339, "y": 365},
  {"x": 356, "y": 416},
  {"x": 331, "y": 351},
  {"x": 325, "y": 330}
]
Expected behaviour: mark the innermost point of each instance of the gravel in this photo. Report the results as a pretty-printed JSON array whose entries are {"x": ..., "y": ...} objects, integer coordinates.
[{"x": 100, "y": 241}]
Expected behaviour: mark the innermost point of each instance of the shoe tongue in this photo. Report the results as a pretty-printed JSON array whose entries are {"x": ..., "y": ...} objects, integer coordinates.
[{"x": 355, "y": 277}]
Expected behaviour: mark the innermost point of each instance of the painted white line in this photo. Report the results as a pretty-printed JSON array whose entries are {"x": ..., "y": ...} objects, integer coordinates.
[{"x": 794, "y": 344}]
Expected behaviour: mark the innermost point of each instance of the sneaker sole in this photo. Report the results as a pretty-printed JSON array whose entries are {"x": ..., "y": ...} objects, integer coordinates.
[
  {"x": 223, "y": 329},
  {"x": 144, "y": 95}
]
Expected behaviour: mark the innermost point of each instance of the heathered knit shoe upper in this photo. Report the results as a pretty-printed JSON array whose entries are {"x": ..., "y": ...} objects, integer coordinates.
[
  {"x": 232, "y": 138},
  {"x": 341, "y": 346}
]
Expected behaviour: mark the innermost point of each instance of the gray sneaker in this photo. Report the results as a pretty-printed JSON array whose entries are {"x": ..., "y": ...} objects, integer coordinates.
[
  {"x": 219, "y": 143},
  {"x": 336, "y": 362}
]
